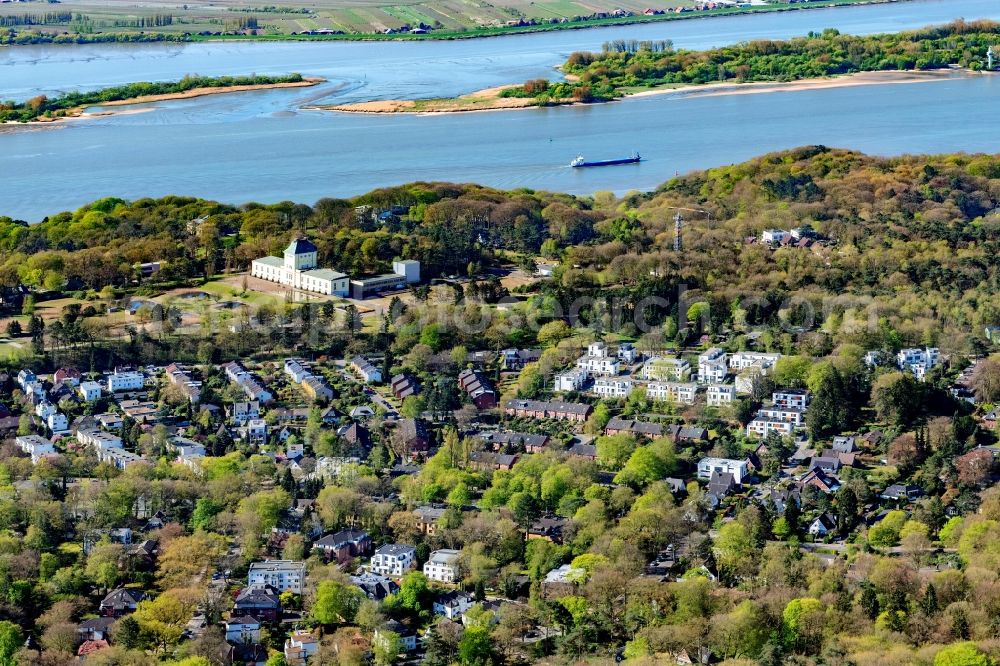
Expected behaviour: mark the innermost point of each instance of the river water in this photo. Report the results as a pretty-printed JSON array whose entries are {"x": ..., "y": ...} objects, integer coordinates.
[{"x": 262, "y": 146}]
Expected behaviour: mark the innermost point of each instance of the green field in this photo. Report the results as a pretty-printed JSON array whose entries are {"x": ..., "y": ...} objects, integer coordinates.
[{"x": 350, "y": 19}]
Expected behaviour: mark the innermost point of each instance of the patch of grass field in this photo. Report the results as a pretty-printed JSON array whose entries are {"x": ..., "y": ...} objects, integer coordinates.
[{"x": 365, "y": 18}]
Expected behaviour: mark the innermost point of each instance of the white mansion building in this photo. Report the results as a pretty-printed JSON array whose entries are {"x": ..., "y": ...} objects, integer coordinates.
[{"x": 297, "y": 269}]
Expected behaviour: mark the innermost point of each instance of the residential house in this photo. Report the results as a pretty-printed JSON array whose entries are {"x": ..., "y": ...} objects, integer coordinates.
[
  {"x": 549, "y": 528},
  {"x": 70, "y": 376},
  {"x": 918, "y": 361},
  {"x": 567, "y": 411},
  {"x": 453, "y": 604},
  {"x": 516, "y": 359},
  {"x": 344, "y": 545},
  {"x": 121, "y": 602},
  {"x": 794, "y": 398},
  {"x": 712, "y": 368},
  {"x": 368, "y": 372},
  {"x": 427, "y": 519},
  {"x": 663, "y": 369},
  {"x": 394, "y": 559},
  {"x": 403, "y": 386},
  {"x": 358, "y": 436},
  {"x": 35, "y": 445},
  {"x": 738, "y": 468},
  {"x": 478, "y": 388},
  {"x": 571, "y": 380},
  {"x": 283, "y": 575},
  {"x": 109, "y": 421},
  {"x": 613, "y": 387},
  {"x": 819, "y": 479},
  {"x": 619, "y": 426},
  {"x": 844, "y": 444},
  {"x": 243, "y": 629},
  {"x": 98, "y": 439},
  {"x": 255, "y": 431},
  {"x": 598, "y": 362},
  {"x": 902, "y": 492},
  {"x": 747, "y": 359},
  {"x": 672, "y": 391},
  {"x": 514, "y": 441},
  {"x": 95, "y": 629},
  {"x": 414, "y": 435},
  {"x": 442, "y": 566},
  {"x": 300, "y": 647},
  {"x": 317, "y": 389},
  {"x": 721, "y": 484},
  {"x": 125, "y": 381},
  {"x": 241, "y": 412},
  {"x": 89, "y": 391},
  {"x": 252, "y": 388},
  {"x": 581, "y": 450},
  {"x": 717, "y": 395},
  {"x": 406, "y": 635},
  {"x": 822, "y": 525},
  {"x": 261, "y": 602},
  {"x": 627, "y": 353},
  {"x": 374, "y": 586},
  {"x": 562, "y": 581},
  {"x": 761, "y": 426},
  {"x": 182, "y": 379}
]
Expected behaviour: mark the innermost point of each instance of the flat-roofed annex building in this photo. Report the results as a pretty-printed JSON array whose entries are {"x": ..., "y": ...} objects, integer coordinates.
[{"x": 297, "y": 269}]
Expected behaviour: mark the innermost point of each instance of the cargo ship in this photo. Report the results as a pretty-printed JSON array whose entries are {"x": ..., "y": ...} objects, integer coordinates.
[{"x": 580, "y": 163}]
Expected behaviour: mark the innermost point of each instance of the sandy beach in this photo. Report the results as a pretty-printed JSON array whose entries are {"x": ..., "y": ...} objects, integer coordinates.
[
  {"x": 489, "y": 99},
  {"x": 199, "y": 92},
  {"x": 846, "y": 81},
  {"x": 78, "y": 113}
]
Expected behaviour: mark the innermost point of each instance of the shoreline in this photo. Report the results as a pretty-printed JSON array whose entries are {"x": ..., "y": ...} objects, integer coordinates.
[
  {"x": 473, "y": 33},
  {"x": 79, "y": 113},
  {"x": 491, "y": 101}
]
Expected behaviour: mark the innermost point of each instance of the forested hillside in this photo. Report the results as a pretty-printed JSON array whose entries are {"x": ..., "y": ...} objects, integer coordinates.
[{"x": 911, "y": 239}]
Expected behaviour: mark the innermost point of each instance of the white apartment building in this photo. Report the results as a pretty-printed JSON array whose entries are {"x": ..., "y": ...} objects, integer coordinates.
[
  {"x": 393, "y": 559},
  {"x": 99, "y": 439},
  {"x": 296, "y": 369},
  {"x": 717, "y": 395},
  {"x": 89, "y": 391},
  {"x": 918, "y": 361},
  {"x": 791, "y": 415},
  {"x": 795, "y": 398},
  {"x": 745, "y": 359},
  {"x": 672, "y": 391},
  {"x": 442, "y": 566},
  {"x": 712, "y": 367},
  {"x": 571, "y": 380},
  {"x": 34, "y": 445},
  {"x": 244, "y": 629},
  {"x": 611, "y": 387},
  {"x": 774, "y": 235},
  {"x": 283, "y": 575},
  {"x": 57, "y": 422},
  {"x": 120, "y": 458},
  {"x": 627, "y": 352},
  {"x": 256, "y": 430},
  {"x": 761, "y": 426},
  {"x": 44, "y": 408},
  {"x": 297, "y": 269},
  {"x": 738, "y": 468},
  {"x": 599, "y": 365},
  {"x": 662, "y": 369},
  {"x": 125, "y": 381}
]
